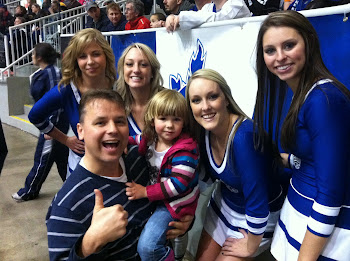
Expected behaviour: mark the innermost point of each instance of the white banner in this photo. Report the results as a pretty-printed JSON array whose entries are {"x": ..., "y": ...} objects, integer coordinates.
[{"x": 228, "y": 49}]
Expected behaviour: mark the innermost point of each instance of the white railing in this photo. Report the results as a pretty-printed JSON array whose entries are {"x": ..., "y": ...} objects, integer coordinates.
[{"x": 11, "y": 5}]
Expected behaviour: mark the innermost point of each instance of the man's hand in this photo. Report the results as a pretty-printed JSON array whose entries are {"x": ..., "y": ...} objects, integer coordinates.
[
  {"x": 179, "y": 227},
  {"x": 135, "y": 191},
  {"x": 107, "y": 225},
  {"x": 172, "y": 23}
]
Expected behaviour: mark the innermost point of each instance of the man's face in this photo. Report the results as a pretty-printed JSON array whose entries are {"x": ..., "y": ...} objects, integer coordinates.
[
  {"x": 2, "y": 10},
  {"x": 94, "y": 13},
  {"x": 105, "y": 132},
  {"x": 171, "y": 6},
  {"x": 114, "y": 16},
  {"x": 130, "y": 12}
]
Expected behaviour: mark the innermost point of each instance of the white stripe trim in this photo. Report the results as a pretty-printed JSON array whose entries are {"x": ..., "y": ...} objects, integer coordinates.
[
  {"x": 325, "y": 210},
  {"x": 56, "y": 234},
  {"x": 256, "y": 220},
  {"x": 322, "y": 228}
]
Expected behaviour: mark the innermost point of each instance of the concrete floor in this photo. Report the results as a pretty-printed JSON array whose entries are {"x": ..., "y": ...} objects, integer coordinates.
[{"x": 22, "y": 225}]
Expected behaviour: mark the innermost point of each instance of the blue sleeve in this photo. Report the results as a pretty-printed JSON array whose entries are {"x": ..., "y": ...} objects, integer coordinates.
[
  {"x": 44, "y": 108},
  {"x": 326, "y": 115},
  {"x": 252, "y": 167},
  {"x": 40, "y": 85}
]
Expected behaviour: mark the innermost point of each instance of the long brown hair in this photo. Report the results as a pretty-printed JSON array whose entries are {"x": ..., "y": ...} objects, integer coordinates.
[{"x": 271, "y": 90}]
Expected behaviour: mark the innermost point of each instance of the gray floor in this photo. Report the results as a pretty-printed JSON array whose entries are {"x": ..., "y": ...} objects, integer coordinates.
[{"x": 22, "y": 225}]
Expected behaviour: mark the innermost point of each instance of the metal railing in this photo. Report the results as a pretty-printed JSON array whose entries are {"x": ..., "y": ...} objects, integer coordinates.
[{"x": 23, "y": 37}]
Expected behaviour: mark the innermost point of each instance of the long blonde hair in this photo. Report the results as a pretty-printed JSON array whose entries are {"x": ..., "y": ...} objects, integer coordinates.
[
  {"x": 70, "y": 68},
  {"x": 156, "y": 81}
]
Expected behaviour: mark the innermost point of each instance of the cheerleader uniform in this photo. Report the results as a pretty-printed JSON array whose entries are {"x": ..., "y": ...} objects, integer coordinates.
[
  {"x": 318, "y": 197},
  {"x": 247, "y": 197}
]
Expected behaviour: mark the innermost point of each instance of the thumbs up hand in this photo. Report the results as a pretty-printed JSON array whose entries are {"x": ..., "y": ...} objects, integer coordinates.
[{"x": 107, "y": 225}]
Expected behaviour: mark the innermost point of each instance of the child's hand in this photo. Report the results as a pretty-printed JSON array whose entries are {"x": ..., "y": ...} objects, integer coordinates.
[{"x": 135, "y": 191}]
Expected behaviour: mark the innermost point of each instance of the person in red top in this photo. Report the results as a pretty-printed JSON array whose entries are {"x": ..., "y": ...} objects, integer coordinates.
[{"x": 134, "y": 14}]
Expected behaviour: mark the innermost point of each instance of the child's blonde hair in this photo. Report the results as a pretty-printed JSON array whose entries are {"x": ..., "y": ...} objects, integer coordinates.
[{"x": 165, "y": 103}]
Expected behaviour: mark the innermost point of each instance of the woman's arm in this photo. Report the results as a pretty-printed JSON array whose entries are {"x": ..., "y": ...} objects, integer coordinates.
[
  {"x": 311, "y": 247},
  {"x": 189, "y": 19}
]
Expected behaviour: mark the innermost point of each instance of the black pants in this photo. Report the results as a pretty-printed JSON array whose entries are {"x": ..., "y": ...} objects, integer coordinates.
[{"x": 3, "y": 147}]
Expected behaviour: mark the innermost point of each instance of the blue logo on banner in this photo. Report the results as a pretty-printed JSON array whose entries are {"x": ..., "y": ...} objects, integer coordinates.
[{"x": 197, "y": 61}]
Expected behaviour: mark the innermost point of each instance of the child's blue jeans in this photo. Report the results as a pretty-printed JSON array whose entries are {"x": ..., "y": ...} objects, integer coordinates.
[{"x": 152, "y": 243}]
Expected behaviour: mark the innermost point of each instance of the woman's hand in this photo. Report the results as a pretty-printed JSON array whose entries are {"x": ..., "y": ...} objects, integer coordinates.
[
  {"x": 172, "y": 22},
  {"x": 135, "y": 191},
  {"x": 241, "y": 247},
  {"x": 75, "y": 144},
  {"x": 179, "y": 227}
]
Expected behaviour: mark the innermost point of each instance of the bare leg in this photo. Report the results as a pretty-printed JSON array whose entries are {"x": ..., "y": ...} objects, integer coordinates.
[{"x": 208, "y": 249}]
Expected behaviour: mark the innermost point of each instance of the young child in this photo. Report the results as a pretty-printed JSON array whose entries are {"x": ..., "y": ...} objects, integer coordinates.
[
  {"x": 173, "y": 158},
  {"x": 157, "y": 20}
]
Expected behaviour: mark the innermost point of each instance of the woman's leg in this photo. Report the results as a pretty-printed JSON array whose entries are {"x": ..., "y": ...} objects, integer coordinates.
[{"x": 208, "y": 249}]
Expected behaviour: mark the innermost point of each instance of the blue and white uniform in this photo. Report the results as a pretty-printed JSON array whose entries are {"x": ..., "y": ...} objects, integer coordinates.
[
  {"x": 318, "y": 197},
  {"x": 68, "y": 98},
  {"x": 133, "y": 128},
  {"x": 249, "y": 197},
  {"x": 70, "y": 213},
  {"x": 47, "y": 151}
]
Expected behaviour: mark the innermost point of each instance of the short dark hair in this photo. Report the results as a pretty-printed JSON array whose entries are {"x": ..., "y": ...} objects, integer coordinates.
[
  {"x": 160, "y": 16},
  {"x": 98, "y": 94}
]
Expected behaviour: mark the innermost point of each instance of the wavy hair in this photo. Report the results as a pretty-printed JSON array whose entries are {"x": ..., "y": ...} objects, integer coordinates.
[
  {"x": 165, "y": 103},
  {"x": 76, "y": 46},
  {"x": 156, "y": 81},
  {"x": 271, "y": 90}
]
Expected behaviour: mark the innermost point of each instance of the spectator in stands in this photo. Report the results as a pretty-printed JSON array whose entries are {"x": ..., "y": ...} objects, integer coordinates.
[
  {"x": 134, "y": 11},
  {"x": 46, "y": 5},
  {"x": 215, "y": 11},
  {"x": 72, "y": 4},
  {"x": 47, "y": 151},
  {"x": 20, "y": 40},
  {"x": 258, "y": 7},
  {"x": 97, "y": 18},
  {"x": 3, "y": 147},
  {"x": 29, "y": 6},
  {"x": 38, "y": 12},
  {"x": 6, "y": 19},
  {"x": 55, "y": 7},
  {"x": 22, "y": 12},
  {"x": 157, "y": 20},
  {"x": 176, "y": 6},
  {"x": 116, "y": 18}
]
